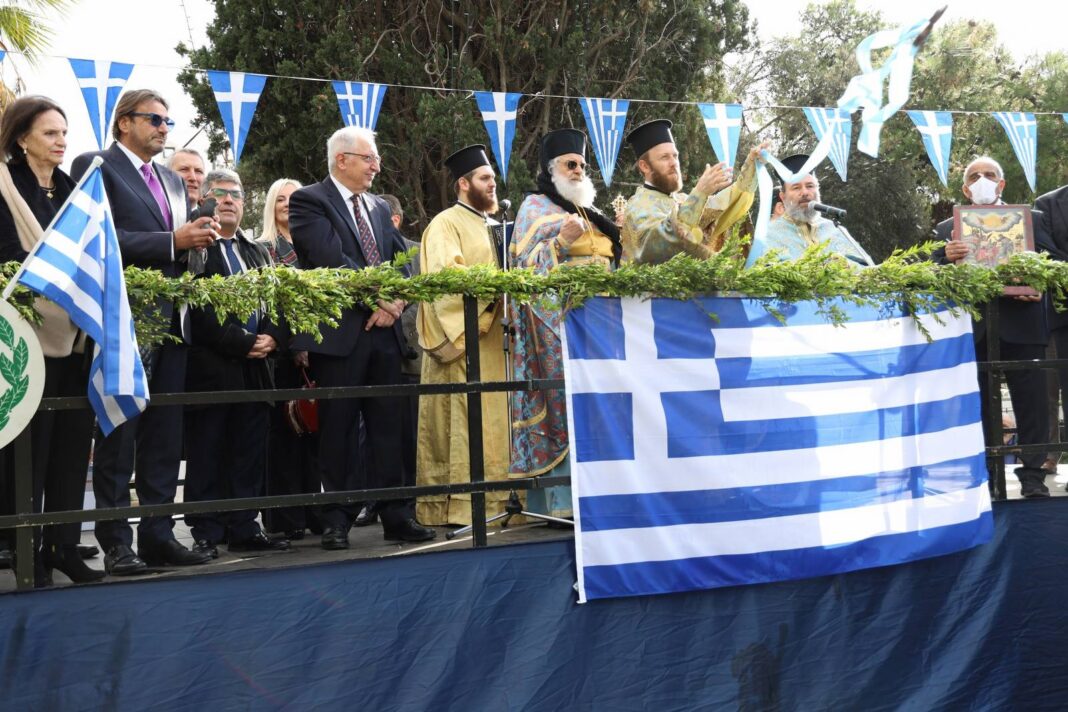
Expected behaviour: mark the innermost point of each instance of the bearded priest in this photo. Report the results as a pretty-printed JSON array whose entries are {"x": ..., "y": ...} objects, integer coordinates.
[{"x": 557, "y": 225}]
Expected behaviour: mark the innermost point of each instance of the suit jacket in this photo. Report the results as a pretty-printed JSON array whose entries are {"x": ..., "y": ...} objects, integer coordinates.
[
  {"x": 324, "y": 235},
  {"x": 217, "y": 357},
  {"x": 145, "y": 239},
  {"x": 1054, "y": 208},
  {"x": 1018, "y": 322}
]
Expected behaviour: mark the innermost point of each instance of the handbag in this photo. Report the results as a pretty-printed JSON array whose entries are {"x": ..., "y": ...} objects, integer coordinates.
[{"x": 303, "y": 415}]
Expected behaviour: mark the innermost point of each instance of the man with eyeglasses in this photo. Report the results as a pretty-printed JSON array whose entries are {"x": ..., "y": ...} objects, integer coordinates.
[
  {"x": 225, "y": 457},
  {"x": 149, "y": 206},
  {"x": 339, "y": 223},
  {"x": 556, "y": 225}
]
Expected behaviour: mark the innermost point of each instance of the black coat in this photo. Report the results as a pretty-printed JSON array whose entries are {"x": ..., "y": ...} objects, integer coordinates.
[
  {"x": 1054, "y": 208},
  {"x": 42, "y": 208}
]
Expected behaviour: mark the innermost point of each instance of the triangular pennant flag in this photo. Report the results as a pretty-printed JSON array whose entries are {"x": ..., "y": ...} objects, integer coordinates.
[
  {"x": 360, "y": 102},
  {"x": 1065, "y": 117},
  {"x": 723, "y": 122},
  {"x": 498, "y": 113},
  {"x": 101, "y": 83},
  {"x": 838, "y": 122},
  {"x": 936, "y": 128},
  {"x": 237, "y": 94},
  {"x": 1022, "y": 130},
  {"x": 605, "y": 119}
]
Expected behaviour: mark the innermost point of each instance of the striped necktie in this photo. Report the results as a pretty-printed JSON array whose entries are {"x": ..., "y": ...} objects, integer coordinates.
[{"x": 367, "y": 238}]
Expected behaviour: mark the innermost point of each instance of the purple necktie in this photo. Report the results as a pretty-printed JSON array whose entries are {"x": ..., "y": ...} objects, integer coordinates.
[
  {"x": 157, "y": 192},
  {"x": 367, "y": 238}
]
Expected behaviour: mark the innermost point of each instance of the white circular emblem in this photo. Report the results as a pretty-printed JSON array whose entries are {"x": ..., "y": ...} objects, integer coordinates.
[{"x": 21, "y": 373}]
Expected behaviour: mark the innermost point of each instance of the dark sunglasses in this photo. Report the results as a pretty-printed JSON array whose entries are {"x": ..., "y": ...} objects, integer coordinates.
[
  {"x": 572, "y": 165},
  {"x": 155, "y": 119},
  {"x": 234, "y": 193}
]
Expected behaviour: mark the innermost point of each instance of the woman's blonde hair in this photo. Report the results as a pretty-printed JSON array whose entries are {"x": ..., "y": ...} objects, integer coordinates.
[{"x": 270, "y": 230}]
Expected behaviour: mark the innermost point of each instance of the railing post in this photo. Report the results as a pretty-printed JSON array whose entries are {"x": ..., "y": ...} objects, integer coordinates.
[
  {"x": 474, "y": 420},
  {"x": 24, "y": 505},
  {"x": 996, "y": 430}
]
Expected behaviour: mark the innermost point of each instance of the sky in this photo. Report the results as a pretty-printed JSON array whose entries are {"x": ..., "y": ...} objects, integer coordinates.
[{"x": 146, "y": 39}]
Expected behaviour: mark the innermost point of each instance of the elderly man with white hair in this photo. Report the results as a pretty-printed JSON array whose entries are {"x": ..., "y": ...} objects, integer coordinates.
[{"x": 339, "y": 223}]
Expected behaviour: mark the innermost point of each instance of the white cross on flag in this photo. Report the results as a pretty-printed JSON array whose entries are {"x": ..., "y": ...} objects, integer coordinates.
[
  {"x": 360, "y": 102},
  {"x": 936, "y": 128},
  {"x": 724, "y": 125},
  {"x": 101, "y": 83},
  {"x": 840, "y": 123},
  {"x": 237, "y": 94},
  {"x": 498, "y": 113},
  {"x": 605, "y": 119},
  {"x": 1022, "y": 130}
]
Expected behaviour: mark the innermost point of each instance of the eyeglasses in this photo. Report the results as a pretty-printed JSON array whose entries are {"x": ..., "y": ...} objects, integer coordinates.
[
  {"x": 368, "y": 158},
  {"x": 155, "y": 119},
  {"x": 235, "y": 193},
  {"x": 573, "y": 164}
]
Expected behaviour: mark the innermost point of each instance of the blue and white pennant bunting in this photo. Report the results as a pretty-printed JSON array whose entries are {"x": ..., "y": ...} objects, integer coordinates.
[
  {"x": 605, "y": 119},
  {"x": 499, "y": 111},
  {"x": 360, "y": 102},
  {"x": 101, "y": 83},
  {"x": 237, "y": 94},
  {"x": 1022, "y": 130},
  {"x": 723, "y": 122},
  {"x": 936, "y": 129},
  {"x": 839, "y": 124}
]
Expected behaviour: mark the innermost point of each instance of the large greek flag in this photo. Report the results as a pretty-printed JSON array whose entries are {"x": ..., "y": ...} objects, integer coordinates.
[
  {"x": 78, "y": 266},
  {"x": 714, "y": 446}
]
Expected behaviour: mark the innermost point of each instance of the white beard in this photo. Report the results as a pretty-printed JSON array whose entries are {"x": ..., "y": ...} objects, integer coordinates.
[
  {"x": 580, "y": 192},
  {"x": 799, "y": 214}
]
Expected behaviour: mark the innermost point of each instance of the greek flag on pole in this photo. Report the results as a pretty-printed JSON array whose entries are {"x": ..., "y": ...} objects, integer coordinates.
[
  {"x": 605, "y": 119},
  {"x": 1022, "y": 130},
  {"x": 498, "y": 113},
  {"x": 101, "y": 83},
  {"x": 237, "y": 94},
  {"x": 723, "y": 122},
  {"x": 78, "y": 266},
  {"x": 732, "y": 449},
  {"x": 936, "y": 129},
  {"x": 840, "y": 124},
  {"x": 360, "y": 102}
]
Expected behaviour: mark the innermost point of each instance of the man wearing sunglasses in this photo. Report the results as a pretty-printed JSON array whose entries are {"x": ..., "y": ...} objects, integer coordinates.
[{"x": 149, "y": 206}]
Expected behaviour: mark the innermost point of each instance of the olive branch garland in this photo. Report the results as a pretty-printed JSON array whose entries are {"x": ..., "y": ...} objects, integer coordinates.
[
  {"x": 13, "y": 370},
  {"x": 308, "y": 298}
]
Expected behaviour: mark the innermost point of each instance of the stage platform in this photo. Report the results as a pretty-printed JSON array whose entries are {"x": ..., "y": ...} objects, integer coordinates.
[{"x": 499, "y": 629}]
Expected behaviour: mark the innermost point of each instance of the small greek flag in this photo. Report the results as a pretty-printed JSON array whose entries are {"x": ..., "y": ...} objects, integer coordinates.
[
  {"x": 936, "y": 129},
  {"x": 78, "y": 266},
  {"x": 713, "y": 445},
  {"x": 723, "y": 122},
  {"x": 237, "y": 94},
  {"x": 360, "y": 102},
  {"x": 839, "y": 123},
  {"x": 606, "y": 119},
  {"x": 1022, "y": 130},
  {"x": 101, "y": 83},
  {"x": 498, "y": 113}
]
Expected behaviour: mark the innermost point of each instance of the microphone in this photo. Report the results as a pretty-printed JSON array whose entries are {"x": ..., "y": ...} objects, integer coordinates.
[
  {"x": 204, "y": 210},
  {"x": 828, "y": 210},
  {"x": 505, "y": 205}
]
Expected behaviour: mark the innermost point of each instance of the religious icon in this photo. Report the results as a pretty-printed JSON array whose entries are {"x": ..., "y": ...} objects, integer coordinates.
[{"x": 995, "y": 233}]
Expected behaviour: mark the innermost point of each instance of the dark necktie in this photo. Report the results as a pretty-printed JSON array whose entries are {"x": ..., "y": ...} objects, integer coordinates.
[
  {"x": 367, "y": 238},
  {"x": 230, "y": 251},
  {"x": 157, "y": 192}
]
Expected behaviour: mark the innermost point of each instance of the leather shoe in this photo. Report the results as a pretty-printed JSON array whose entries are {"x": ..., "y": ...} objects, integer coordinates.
[
  {"x": 368, "y": 515},
  {"x": 294, "y": 534},
  {"x": 334, "y": 539},
  {"x": 172, "y": 553},
  {"x": 203, "y": 546},
  {"x": 1033, "y": 486},
  {"x": 409, "y": 530},
  {"x": 259, "y": 542},
  {"x": 122, "y": 561},
  {"x": 87, "y": 551}
]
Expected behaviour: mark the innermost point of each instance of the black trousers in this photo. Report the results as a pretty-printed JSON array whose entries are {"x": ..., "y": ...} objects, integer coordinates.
[
  {"x": 1029, "y": 403},
  {"x": 292, "y": 466},
  {"x": 153, "y": 442},
  {"x": 374, "y": 361}
]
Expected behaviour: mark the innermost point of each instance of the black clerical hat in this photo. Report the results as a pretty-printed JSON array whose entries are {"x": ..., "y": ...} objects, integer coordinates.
[
  {"x": 466, "y": 160},
  {"x": 651, "y": 133},
  {"x": 795, "y": 162},
  {"x": 557, "y": 143}
]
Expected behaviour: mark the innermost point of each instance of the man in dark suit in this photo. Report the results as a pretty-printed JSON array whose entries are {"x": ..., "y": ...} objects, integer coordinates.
[
  {"x": 1022, "y": 329},
  {"x": 226, "y": 443},
  {"x": 337, "y": 223},
  {"x": 1054, "y": 222},
  {"x": 149, "y": 206}
]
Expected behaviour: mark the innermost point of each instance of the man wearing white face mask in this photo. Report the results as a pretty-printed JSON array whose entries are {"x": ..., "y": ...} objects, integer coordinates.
[{"x": 1023, "y": 330}]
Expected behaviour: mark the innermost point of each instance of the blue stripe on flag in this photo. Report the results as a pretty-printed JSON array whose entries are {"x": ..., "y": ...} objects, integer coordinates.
[
  {"x": 734, "y": 570},
  {"x": 696, "y": 427},
  {"x": 657, "y": 509},
  {"x": 595, "y": 330},
  {"x": 603, "y": 426}
]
